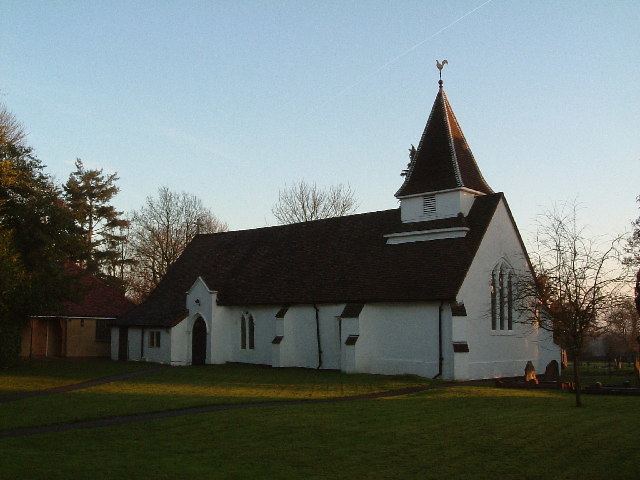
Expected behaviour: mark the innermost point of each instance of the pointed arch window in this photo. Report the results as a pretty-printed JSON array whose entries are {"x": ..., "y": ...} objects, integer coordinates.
[
  {"x": 243, "y": 333},
  {"x": 502, "y": 297},
  {"x": 494, "y": 313},
  {"x": 247, "y": 331},
  {"x": 252, "y": 329}
]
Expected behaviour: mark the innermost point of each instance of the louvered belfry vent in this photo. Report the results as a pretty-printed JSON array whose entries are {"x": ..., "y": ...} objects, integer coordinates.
[{"x": 429, "y": 205}]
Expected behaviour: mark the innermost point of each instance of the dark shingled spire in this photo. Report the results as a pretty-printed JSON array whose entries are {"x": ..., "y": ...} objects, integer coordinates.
[{"x": 443, "y": 159}]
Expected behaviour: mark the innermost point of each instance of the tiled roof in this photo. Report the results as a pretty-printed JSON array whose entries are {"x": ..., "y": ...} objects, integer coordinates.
[
  {"x": 443, "y": 159},
  {"x": 95, "y": 298},
  {"x": 337, "y": 260}
]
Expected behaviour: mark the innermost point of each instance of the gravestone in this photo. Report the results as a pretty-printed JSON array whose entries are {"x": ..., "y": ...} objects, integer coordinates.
[
  {"x": 530, "y": 373},
  {"x": 552, "y": 372}
]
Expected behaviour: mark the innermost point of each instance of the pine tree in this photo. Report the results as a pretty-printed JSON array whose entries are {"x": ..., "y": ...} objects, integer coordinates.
[{"x": 89, "y": 193}]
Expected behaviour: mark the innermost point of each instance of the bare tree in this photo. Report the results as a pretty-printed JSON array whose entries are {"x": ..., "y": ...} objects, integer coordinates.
[
  {"x": 578, "y": 281},
  {"x": 302, "y": 202},
  {"x": 11, "y": 130},
  {"x": 623, "y": 327},
  {"x": 159, "y": 233}
]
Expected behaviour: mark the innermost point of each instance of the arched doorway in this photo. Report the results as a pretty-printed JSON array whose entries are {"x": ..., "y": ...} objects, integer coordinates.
[{"x": 199, "y": 342}]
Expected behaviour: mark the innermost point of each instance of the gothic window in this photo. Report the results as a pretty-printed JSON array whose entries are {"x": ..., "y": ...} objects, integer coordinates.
[
  {"x": 243, "y": 333},
  {"x": 493, "y": 301},
  {"x": 501, "y": 294},
  {"x": 510, "y": 301},
  {"x": 502, "y": 297},
  {"x": 252, "y": 328}
]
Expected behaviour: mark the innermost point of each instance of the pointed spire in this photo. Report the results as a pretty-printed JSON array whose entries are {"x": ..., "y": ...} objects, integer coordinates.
[{"x": 443, "y": 159}]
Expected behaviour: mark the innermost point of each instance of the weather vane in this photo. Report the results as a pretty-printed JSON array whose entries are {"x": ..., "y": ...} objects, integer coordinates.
[{"x": 440, "y": 67}]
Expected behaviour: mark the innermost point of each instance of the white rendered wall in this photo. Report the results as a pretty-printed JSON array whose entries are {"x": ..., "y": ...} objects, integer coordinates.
[
  {"x": 115, "y": 339},
  {"x": 134, "y": 343},
  {"x": 496, "y": 353},
  {"x": 299, "y": 346},
  {"x": 398, "y": 338},
  {"x": 448, "y": 204},
  {"x": 161, "y": 354}
]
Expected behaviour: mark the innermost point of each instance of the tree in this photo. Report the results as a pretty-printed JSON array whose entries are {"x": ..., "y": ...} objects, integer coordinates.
[
  {"x": 578, "y": 281},
  {"x": 37, "y": 237},
  {"x": 159, "y": 233},
  {"x": 622, "y": 328},
  {"x": 89, "y": 193},
  {"x": 303, "y": 202},
  {"x": 633, "y": 244},
  {"x": 11, "y": 130}
]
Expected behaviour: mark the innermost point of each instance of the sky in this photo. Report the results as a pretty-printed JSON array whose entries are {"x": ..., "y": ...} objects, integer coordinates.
[{"x": 231, "y": 100}]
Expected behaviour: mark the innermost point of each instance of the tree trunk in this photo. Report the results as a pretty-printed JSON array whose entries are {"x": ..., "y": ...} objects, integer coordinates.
[{"x": 576, "y": 379}]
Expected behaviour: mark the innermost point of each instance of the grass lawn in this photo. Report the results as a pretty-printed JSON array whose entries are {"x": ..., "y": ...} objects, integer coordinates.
[
  {"x": 175, "y": 387},
  {"x": 447, "y": 432},
  {"x": 32, "y": 375}
]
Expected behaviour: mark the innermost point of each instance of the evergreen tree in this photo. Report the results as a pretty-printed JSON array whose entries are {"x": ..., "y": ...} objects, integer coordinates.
[
  {"x": 89, "y": 193},
  {"x": 37, "y": 238}
]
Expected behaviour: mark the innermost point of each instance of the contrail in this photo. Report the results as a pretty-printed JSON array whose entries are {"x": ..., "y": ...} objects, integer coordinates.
[{"x": 411, "y": 49}]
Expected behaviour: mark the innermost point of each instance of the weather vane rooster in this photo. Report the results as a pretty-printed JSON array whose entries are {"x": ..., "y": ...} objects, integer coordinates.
[{"x": 441, "y": 66}]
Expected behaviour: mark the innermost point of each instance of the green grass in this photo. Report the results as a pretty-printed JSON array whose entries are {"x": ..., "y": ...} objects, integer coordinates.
[
  {"x": 32, "y": 375},
  {"x": 452, "y": 432},
  {"x": 447, "y": 432},
  {"x": 178, "y": 387}
]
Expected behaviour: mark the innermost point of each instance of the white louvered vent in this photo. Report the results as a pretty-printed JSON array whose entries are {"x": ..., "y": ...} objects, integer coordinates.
[{"x": 429, "y": 206}]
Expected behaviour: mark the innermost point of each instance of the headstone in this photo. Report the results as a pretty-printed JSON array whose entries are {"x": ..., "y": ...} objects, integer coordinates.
[
  {"x": 552, "y": 372},
  {"x": 530, "y": 373}
]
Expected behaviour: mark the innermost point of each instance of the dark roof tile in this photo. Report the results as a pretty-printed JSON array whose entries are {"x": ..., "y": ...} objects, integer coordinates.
[{"x": 337, "y": 260}]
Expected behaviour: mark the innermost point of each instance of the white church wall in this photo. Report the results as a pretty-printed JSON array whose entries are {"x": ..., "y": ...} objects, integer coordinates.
[
  {"x": 299, "y": 347},
  {"x": 501, "y": 352},
  {"x": 348, "y": 327},
  {"x": 134, "y": 335},
  {"x": 398, "y": 338},
  {"x": 115, "y": 342},
  {"x": 228, "y": 319},
  {"x": 180, "y": 344},
  {"x": 161, "y": 353}
]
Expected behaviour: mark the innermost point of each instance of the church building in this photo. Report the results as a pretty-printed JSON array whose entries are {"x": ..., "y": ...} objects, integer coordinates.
[{"x": 424, "y": 289}]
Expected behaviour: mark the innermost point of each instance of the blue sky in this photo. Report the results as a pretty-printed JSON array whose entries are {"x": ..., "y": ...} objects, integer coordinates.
[{"x": 231, "y": 100}]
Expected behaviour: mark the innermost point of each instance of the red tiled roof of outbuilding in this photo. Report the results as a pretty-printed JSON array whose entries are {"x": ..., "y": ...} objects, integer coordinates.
[{"x": 96, "y": 298}]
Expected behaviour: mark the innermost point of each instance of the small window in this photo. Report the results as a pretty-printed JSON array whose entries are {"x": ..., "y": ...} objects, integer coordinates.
[
  {"x": 429, "y": 205},
  {"x": 351, "y": 340},
  {"x": 252, "y": 329},
  {"x": 277, "y": 339},
  {"x": 154, "y": 339},
  {"x": 103, "y": 330}
]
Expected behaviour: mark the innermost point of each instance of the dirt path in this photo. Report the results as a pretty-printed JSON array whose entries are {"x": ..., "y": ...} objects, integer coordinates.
[
  {"x": 11, "y": 397},
  {"x": 147, "y": 416}
]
